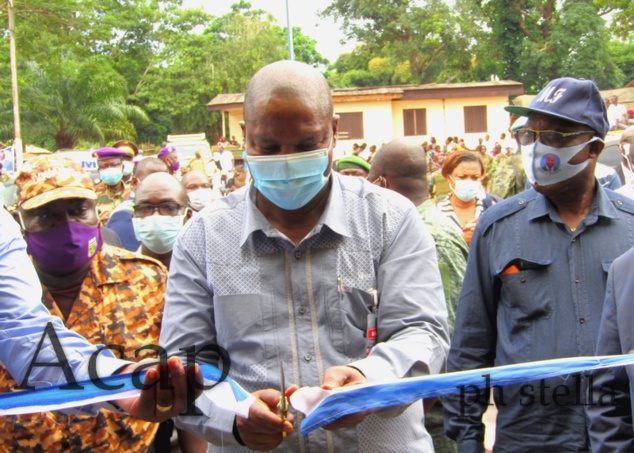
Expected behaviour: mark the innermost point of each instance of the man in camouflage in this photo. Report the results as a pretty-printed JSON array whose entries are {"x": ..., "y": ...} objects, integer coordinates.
[
  {"x": 131, "y": 152},
  {"x": 401, "y": 167},
  {"x": 108, "y": 295},
  {"x": 111, "y": 190}
]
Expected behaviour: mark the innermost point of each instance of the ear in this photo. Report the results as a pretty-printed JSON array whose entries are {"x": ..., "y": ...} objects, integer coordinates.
[
  {"x": 335, "y": 128},
  {"x": 596, "y": 147},
  {"x": 243, "y": 126}
]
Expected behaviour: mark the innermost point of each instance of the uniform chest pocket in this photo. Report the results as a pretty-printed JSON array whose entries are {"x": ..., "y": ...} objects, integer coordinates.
[{"x": 526, "y": 290}]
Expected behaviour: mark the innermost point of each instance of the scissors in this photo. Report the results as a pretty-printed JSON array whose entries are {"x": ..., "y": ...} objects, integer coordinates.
[{"x": 283, "y": 405}]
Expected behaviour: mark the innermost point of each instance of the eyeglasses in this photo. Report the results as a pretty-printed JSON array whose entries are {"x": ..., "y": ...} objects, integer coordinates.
[
  {"x": 380, "y": 181},
  {"x": 548, "y": 138},
  {"x": 167, "y": 209}
]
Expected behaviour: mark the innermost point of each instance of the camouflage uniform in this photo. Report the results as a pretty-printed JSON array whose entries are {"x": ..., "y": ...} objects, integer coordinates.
[
  {"x": 120, "y": 302},
  {"x": 440, "y": 188},
  {"x": 452, "y": 253},
  {"x": 109, "y": 198}
]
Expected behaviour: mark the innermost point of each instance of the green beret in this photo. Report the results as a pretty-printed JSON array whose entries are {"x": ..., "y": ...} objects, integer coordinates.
[{"x": 353, "y": 162}]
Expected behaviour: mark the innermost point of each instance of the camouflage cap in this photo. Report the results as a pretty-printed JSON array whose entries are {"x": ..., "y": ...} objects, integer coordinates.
[
  {"x": 50, "y": 178},
  {"x": 126, "y": 145}
]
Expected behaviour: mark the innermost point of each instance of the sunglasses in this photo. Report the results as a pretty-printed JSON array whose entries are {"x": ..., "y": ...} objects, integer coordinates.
[{"x": 548, "y": 138}]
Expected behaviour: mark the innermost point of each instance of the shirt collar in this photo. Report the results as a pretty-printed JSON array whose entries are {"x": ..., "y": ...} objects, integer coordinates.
[
  {"x": 601, "y": 206},
  {"x": 333, "y": 216}
]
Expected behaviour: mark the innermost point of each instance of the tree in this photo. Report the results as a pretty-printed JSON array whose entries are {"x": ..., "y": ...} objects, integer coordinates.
[
  {"x": 193, "y": 67},
  {"x": 158, "y": 57},
  {"x": 424, "y": 40},
  {"x": 539, "y": 40},
  {"x": 532, "y": 41},
  {"x": 303, "y": 47},
  {"x": 623, "y": 55},
  {"x": 620, "y": 13},
  {"x": 78, "y": 100}
]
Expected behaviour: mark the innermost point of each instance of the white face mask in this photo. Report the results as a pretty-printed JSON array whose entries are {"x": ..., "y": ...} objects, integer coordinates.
[
  {"x": 467, "y": 189},
  {"x": 200, "y": 198},
  {"x": 128, "y": 168},
  {"x": 546, "y": 165}
]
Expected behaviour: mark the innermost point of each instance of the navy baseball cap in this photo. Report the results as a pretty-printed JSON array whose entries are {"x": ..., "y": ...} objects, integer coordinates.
[{"x": 576, "y": 100}]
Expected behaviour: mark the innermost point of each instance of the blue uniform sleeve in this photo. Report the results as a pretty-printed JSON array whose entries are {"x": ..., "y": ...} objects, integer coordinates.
[{"x": 23, "y": 319}]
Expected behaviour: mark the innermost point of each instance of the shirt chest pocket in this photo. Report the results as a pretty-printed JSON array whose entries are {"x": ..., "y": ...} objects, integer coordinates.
[
  {"x": 526, "y": 291},
  {"x": 355, "y": 308}
]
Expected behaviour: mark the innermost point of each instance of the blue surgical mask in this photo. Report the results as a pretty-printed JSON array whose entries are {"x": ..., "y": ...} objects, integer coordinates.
[
  {"x": 111, "y": 176},
  {"x": 158, "y": 232},
  {"x": 467, "y": 189},
  {"x": 546, "y": 165},
  {"x": 290, "y": 181}
]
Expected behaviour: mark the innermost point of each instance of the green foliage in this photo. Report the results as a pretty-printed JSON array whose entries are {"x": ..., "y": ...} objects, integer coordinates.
[
  {"x": 427, "y": 40},
  {"x": 137, "y": 59},
  {"x": 77, "y": 100},
  {"x": 620, "y": 13},
  {"x": 531, "y": 41},
  {"x": 303, "y": 47},
  {"x": 622, "y": 54}
]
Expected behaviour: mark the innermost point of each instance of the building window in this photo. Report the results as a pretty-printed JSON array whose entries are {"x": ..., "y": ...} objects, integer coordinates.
[
  {"x": 475, "y": 119},
  {"x": 350, "y": 126},
  {"x": 415, "y": 122}
]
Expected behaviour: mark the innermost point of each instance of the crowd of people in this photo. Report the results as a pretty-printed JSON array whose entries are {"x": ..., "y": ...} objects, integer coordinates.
[{"x": 389, "y": 263}]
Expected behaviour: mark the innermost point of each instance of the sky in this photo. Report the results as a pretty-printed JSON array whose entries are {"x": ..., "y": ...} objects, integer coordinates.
[{"x": 303, "y": 14}]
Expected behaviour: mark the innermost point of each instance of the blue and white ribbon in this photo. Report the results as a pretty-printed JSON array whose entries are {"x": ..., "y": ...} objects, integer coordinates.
[
  {"x": 324, "y": 406},
  {"x": 226, "y": 394},
  {"x": 320, "y": 406}
]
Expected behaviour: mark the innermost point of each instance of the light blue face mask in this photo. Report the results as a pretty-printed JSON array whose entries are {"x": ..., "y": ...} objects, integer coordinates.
[
  {"x": 111, "y": 176},
  {"x": 467, "y": 189},
  {"x": 158, "y": 232},
  {"x": 290, "y": 181}
]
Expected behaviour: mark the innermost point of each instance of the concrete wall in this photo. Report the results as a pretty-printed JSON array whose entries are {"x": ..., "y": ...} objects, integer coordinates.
[{"x": 383, "y": 120}]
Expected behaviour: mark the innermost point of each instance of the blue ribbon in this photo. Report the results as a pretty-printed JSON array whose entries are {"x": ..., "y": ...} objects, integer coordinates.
[
  {"x": 408, "y": 390},
  {"x": 56, "y": 395}
]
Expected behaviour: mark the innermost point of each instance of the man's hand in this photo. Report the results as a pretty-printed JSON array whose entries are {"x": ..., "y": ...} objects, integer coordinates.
[
  {"x": 262, "y": 431},
  {"x": 343, "y": 376},
  {"x": 157, "y": 402}
]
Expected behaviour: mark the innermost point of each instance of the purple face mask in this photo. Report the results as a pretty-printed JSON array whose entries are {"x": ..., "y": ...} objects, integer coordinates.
[
  {"x": 65, "y": 248},
  {"x": 175, "y": 165}
]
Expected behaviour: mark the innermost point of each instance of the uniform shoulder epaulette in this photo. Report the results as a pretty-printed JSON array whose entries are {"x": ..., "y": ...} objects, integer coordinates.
[
  {"x": 506, "y": 208},
  {"x": 620, "y": 201}
]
